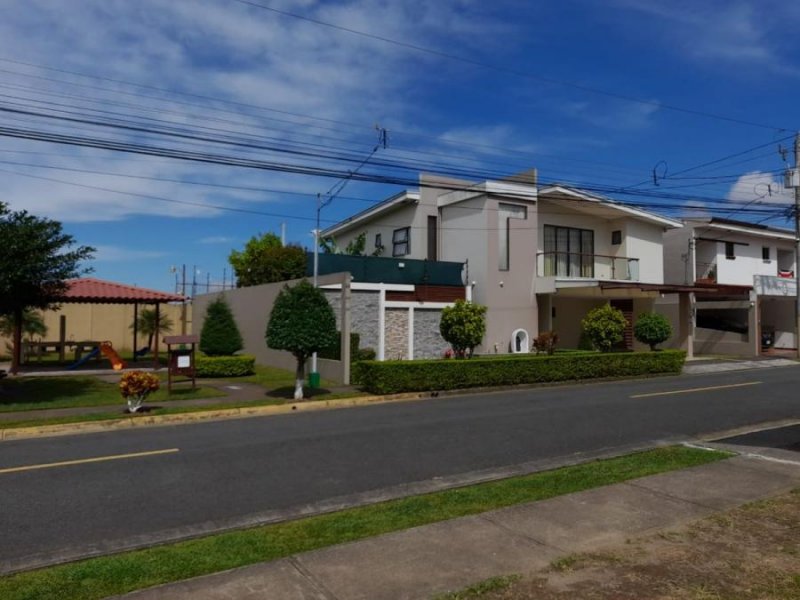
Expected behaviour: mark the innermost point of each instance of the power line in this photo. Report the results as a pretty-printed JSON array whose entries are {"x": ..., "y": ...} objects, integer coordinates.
[{"x": 511, "y": 71}]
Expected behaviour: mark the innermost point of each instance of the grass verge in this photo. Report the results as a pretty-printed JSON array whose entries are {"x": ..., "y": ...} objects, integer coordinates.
[
  {"x": 482, "y": 588},
  {"x": 121, "y": 573}
]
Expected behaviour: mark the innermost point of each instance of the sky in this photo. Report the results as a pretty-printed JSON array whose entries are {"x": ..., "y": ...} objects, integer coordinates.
[{"x": 610, "y": 95}]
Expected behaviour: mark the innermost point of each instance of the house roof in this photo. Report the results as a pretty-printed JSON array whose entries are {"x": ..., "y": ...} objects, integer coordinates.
[
  {"x": 98, "y": 291},
  {"x": 396, "y": 201},
  {"x": 732, "y": 225},
  {"x": 567, "y": 193}
]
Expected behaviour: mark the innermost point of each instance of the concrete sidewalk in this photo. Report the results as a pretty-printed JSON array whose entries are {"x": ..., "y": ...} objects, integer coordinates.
[{"x": 425, "y": 561}]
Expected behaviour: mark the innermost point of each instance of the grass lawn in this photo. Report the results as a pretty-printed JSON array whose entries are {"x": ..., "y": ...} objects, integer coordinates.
[
  {"x": 274, "y": 378},
  {"x": 121, "y": 573},
  {"x": 35, "y": 393}
]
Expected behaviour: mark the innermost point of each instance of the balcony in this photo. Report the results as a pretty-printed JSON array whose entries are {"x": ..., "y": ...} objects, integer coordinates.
[{"x": 572, "y": 265}]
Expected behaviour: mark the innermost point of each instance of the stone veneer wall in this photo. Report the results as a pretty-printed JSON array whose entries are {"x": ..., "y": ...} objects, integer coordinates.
[
  {"x": 396, "y": 334},
  {"x": 363, "y": 315},
  {"x": 428, "y": 342}
]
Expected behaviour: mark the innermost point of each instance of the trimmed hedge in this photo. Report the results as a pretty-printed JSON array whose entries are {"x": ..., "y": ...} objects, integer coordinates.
[
  {"x": 225, "y": 366},
  {"x": 391, "y": 377}
]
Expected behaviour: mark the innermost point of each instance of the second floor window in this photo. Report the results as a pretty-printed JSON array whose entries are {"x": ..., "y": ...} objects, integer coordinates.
[
  {"x": 378, "y": 242},
  {"x": 568, "y": 252},
  {"x": 401, "y": 241},
  {"x": 765, "y": 253},
  {"x": 730, "y": 252}
]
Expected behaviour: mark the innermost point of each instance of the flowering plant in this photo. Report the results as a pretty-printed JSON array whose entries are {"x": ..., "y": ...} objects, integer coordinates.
[{"x": 136, "y": 386}]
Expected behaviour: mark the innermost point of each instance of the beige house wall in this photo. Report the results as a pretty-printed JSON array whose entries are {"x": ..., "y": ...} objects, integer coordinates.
[{"x": 103, "y": 322}]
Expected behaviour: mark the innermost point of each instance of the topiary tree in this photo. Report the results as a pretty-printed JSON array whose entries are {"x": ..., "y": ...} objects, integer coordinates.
[
  {"x": 220, "y": 336},
  {"x": 301, "y": 322},
  {"x": 266, "y": 260},
  {"x": 463, "y": 326},
  {"x": 652, "y": 329},
  {"x": 604, "y": 326}
]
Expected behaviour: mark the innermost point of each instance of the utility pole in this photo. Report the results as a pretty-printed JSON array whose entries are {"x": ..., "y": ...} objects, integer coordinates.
[
  {"x": 183, "y": 304},
  {"x": 795, "y": 181}
]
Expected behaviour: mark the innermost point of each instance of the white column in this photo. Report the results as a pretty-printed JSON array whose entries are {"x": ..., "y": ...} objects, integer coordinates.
[
  {"x": 410, "y": 333},
  {"x": 381, "y": 322}
]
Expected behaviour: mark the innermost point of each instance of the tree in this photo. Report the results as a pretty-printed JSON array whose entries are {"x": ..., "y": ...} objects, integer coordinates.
[
  {"x": 301, "y": 322},
  {"x": 355, "y": 247},
  {"x": 37, "y": 260},
  {"x": 652, "y": 329},
  {"x": 265, "y": 260},
  {"x": 605, "y": 327},
  {"x": 220, "y": 336},
  {"x": 146, "y": 324},
  {"x": 463, "y": 326}
]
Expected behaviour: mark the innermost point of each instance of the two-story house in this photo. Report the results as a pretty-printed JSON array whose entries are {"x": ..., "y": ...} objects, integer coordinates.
[
  {"x": 752, "y": 268},
  {"x": 538, "y": 257}
]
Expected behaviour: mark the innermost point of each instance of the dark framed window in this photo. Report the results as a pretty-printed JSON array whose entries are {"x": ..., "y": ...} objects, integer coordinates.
[
  {"x": 568, "y": 252},
  {"x": 730, "y": 252},
  {"x": 378, "y": 241},
  {"x": 765, "y": 254},
  {"x": 616, "y": 237},
  {"x": 432, "y": 240},
  {"x": 401, "y": 241}
]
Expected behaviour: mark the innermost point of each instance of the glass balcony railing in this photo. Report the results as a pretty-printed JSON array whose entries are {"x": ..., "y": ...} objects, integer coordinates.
[{"x": 586, "y": 266}]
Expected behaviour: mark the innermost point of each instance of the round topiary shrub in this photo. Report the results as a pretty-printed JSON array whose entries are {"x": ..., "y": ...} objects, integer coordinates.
[
  {"x": 652, "y": 329},
  {"x": 605, "y": 327}
]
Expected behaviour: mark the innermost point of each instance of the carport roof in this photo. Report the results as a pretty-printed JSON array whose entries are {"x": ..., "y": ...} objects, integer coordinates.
[
  {"x": 668, "y": 288},
  {"x": 89, "y": 290}
]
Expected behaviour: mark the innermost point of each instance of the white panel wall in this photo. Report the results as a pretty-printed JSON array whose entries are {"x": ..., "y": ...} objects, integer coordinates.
[{"x": 748, "y": 261}]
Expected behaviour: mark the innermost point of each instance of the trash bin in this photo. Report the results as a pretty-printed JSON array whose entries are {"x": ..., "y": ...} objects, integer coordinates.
[
  {"x": 313, "y": 380},
  {"x": 767, "y": 338}
]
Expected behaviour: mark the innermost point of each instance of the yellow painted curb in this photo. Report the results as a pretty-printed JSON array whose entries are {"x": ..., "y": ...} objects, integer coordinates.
[{"x": 16, "y": 433}]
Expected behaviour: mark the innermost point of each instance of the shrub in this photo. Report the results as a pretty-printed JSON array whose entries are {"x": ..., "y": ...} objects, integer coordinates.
[
  {"x": 335, "y": 352},
  {"x": 301, "y": 322},
  {"x": 224, "y": 366},
  {"x": 652, "y": 329},
  {"x": 545, "y": 342},
  {"x": 365, "y": 354},
  {"x": 220, "y": 336},
  {"x": 463, "y": 326},
  {"x": 604, "y": 326},
  {"x": 387, "y": 377},
  {"x": 136, "y": 386}
]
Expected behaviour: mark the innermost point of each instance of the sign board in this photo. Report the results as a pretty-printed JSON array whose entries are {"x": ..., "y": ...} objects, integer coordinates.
[
  {"x": 184, "y": 362},
  {"x": 769, "y": 285}
]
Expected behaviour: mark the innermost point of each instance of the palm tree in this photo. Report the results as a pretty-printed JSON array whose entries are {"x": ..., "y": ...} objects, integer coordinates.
[
  {"x": 146, "y": 324},
  {"x": 32, "y": 324}
]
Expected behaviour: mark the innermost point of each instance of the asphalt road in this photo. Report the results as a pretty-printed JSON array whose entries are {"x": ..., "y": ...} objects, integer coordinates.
[{"x": 226, "y": 472}]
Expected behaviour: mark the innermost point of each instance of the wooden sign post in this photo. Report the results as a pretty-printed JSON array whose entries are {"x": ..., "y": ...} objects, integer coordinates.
[{"x": 181, "y": 358}]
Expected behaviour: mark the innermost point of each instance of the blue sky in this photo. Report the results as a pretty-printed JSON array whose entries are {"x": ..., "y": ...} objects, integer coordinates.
[{"x": 222, "y": 67}]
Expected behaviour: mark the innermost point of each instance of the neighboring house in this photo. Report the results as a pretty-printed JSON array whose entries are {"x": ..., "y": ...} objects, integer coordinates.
[
  {"x": 538, "y": 257},
  {"x": 751, "y": 268}
]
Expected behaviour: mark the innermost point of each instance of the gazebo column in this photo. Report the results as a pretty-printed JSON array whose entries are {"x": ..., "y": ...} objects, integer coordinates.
[
  {"x": 135, "y": 329},
  {"x": 158, "y": 333}
]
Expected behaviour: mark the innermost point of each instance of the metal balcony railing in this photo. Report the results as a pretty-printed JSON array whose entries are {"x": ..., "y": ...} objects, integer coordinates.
[{"x": 586, "y": 266}]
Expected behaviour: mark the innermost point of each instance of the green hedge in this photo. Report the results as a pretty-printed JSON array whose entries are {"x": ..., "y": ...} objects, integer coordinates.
[
  {"x": 427, "y": 375},
  {"x": 225, "y": 366}
]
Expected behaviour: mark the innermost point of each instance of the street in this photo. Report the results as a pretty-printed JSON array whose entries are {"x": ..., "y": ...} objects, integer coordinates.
[{"x": 119, "y": 489}]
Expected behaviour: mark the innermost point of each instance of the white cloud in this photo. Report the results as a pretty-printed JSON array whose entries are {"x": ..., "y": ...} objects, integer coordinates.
[
  {"x": 757, "y": 186},
  {"x": 739, "y": 33},
  {"x": 216, "y": 239},
  {"x": 107, "y": 253}
]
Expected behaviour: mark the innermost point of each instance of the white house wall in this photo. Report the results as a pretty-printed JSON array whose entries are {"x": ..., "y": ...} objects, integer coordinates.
[
  {"x": 678, "y": 268},
  {"x": 748, "y": 261},
  {"x": 407, "y": 215},
  {"x": 645, "y": 242}
]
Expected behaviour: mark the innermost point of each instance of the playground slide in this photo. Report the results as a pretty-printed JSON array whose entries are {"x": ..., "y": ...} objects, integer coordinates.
[
  {"x": 84, "y": 359},
  {"x": 108, "y": 351}
]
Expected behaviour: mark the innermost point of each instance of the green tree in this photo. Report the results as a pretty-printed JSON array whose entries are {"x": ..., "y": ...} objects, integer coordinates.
[
  {"x": 265, "y": 260},
  {"x": 220, "y": 335},
  {"x": 463, "y": 326},
  {"x": 37, "y": 260},
  {"x": 604, "y": 326},
  {"x": 301, "y": 322},
  {"x": 355, "y": 247},
  {"x": 652, "y": 329},
  {"x": 146, "y": 324}
]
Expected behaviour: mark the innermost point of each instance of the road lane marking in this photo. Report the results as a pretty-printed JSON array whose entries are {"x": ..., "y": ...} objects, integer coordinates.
[
  {"x": 83, "y": 461},
  {"x": 701, "y": 389}
]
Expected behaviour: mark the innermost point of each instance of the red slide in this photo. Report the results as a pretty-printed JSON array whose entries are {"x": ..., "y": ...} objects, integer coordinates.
[{"x": 108, "y": 351}]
